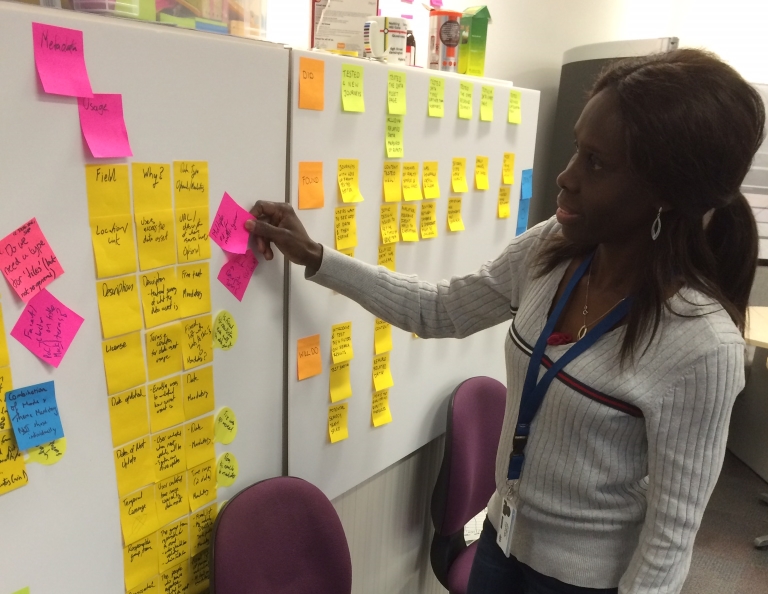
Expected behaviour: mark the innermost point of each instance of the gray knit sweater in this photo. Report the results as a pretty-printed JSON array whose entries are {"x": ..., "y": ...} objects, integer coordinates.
[{"x": 620, "y": 463}]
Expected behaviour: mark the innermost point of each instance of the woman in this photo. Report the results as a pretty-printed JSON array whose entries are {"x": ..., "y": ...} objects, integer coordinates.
[{"x": 637, "y": 290}]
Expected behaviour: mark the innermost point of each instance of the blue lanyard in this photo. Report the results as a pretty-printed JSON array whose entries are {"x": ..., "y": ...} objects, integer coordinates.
[{"x": 533, "y": 393}]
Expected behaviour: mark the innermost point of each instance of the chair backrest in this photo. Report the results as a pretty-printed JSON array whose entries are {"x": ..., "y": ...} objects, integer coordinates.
[
  {"x": 280, "y": 535},
  {"x": 467, "y": 474}
]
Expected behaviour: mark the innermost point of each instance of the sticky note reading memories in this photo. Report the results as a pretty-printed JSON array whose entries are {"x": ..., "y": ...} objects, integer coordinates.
[
  {"x": 486, "y": 104},
  {"x": 311, "y": 84},
  {"x": 455, "y": 222},
  {"x": 348, "y": 180},
  {"x": 60, "y": 60},
  {"x": 227, "y": 230},
  {"x": 436, "y": 97},
  {"x": 103, "y": 125},
  {"x": 389, "y": 224},
  {"x": 380, "y": 413},
  {"x": 119, "y": 310},
  {"x": 28, "y": 262},
  {"x": 465, "y": 100},
  {"x": 394, "y": 137},
  {"x": 340, "y": 385},
  {"x": 513, "y": 113},
  {"x": 345, "y": 227},
  {"x": 428, "y": 220},
  {"x": 34, "y": 415},
  {"x": 411, "y": 186},
  {"x": 151, "y": 187},
  {"x": 459, "y": 175},
  {"x": 337, "y": 422},
  {"x": 341, "y": 343},
  {"x": 408, "y": 228},
  {"x": 352, "y": 88},
  {"x": 429, "y": 180},
  {"x": 237, "y": 272},
  {"x": 311, "y": 192},
  {"x": 386, "y": 256},
  {"x": 47, "y": 327},
  {"x": 308, "y": 361},
  {"x": 382, "y": 375},
  {"x": 392, "y": 191}
]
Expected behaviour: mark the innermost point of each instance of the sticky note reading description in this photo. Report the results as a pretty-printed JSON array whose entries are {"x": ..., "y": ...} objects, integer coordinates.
[
  {"x": 160, "y": 296},
  {"x": 308, "y": 361},
  {"x": 28, "y": 262},
  {"x": 119, "y": 310}
]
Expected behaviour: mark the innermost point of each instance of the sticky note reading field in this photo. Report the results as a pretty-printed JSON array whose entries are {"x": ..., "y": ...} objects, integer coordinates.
[
  {"x": 389, "y": 224},
  {"x": 508, "y": 169},
  {"x": 382, "y": 336},
  {"x": 352, "y": 88},
  {"x": 174, "y": 543},
  {"x": 227, "y": 230},
  {"x": 348, "y": 180},
  {"x": 436, "y": 97},
  {"x": 311, "y": 84},
  {"x": 133, "y": 466},
  {"x": 340, "y": 385},
  {"x": 337, "y": 422},
  {"x": 236, "y": 273},
  {"x": 345, "y": 227},
  {"x": 393, "y": 138},
  {"x": 408, "y": 227},
  {"x": 198, "y": 392},
  {"x": 308, "y": 361},
  {"x": 201, "y": 529},
  {"x": 459, "y": 175},
  {"x": 386, "y": 256},
  {"x": 513, "y": 113},
  {"x": 380, "y": 413},
  {"x": 34, "y": 415},
  {"x": 60, "y": 60},
  {"x": 123, "y": 362},
  {"x": 166, "y": 407},
  {"x": 164, "y": 350},
  {"x": 227, "y": 470},
  {"x": 392, "y": 190},
  {"x": 199, "y": 441},
  {"x": 202, "y": 484},
  {"x": 411, "y": 186},
  {"x": 168, "y": 453},
  {"x": 119, "y": 310},
  {"x": 455, "y": 222},
  {"x": 341, "y": 342},
  {"x": 103, "y": 126},
  {"x": 160, "y": 296},
  {"x": 155, "y": 239},
  {"x": 396, "y": 93},
  {"x": 28, "y": 262},
  {"x": 311, "y": 193},
  {"x": 151, "y": 187},
  {"x": 138, "y": 515},
  {"x": 192, "y": 242},
  {"x": 197, "y": 341},
  {"x": 195, "y": 283},
  {"x": 13, "y": 470},
  {"x": 465, "y": 101},
  {"x": 428, "y": 220},
  {"x": 190, "y": 180},
  {"x": 382, "y": 375},
  {"x": 47, "y": 327},
  {"x": 503, "y": 210},
  {"x": 108, "y": 191},
  {"x": 481, "y": 173},
  {"x": 128, "y": 416},
  {"x": 429, "y": 180},
  {"x": 113, "y": 245},
  {"x": 172, "y": 498},
  {"x": 140, "y": 560}
]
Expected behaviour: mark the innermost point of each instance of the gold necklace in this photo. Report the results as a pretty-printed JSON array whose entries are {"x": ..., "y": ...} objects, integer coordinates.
[{"x": 585, "y": 311}]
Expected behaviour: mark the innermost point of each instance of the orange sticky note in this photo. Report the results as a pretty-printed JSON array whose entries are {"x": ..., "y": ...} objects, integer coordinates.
[
  {"x": 311, "y": 84},
  {"x": 308, "y": 362},
  {"x": 311, "y": 184}
]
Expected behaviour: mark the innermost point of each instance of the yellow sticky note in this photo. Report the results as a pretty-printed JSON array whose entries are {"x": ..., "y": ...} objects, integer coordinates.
[
  {"x": 6, "y": 383},
  {"x": 396, "y": 92},
  {"x": 380, "y": 413},
  {"x": 393, "y": 139},
  {"x": 352, "y": 98},
  {"x": 340, "y": 385},
  {"x": 197, "y": 389},
  {"x": 168, "y": 453},
  {"x": 508, "y": 169},
  {"x": 151, "y": 187},
  {"x": 389, "y": 224},
  {"x": 195, "y": 284},
  {"x": 224, "y": 331},
  {"x": 48, "y": 453},
  {"x": 197, "y": 341},
  {"x": 345, "y": 227},
  {"x": 190, "y": 183},
  {"x": 128, "y": 416},
  {"x": 227, "y": 469},
  {"x": 382, "y": 375},
  {"x": 486, "y": 104},
  {"x": 175, "y": 578},
  {"x": 411, "y": 186},
  {"x": 382, "y": 336},
  {"x": 113, "y": 246},
  {"x": 348, "y": 177},
  {"x": 504, "y": 203},
  {"x": 341, "y": 342},
  {"x": 202, "y": 484},
  {"x": 308, "y": 361},
  {"x": 348, "y": 252},
  {"x": 163, "y": 350},
  {"x": 387, "y": 256},
  {"x": 459, "y": 175},
  {"x": 138, "y": 515},
  {"x": 13, "y": 472},
  {"x": 166, "y": 406},
  {"x": 192, "y": 242},
  {"x": 225, "y": 426},
  {"x": 392, "y": 190},
  {"x": 160, "y": 296},
  {"x": 429, "y": 180},
  {"x": 337, "y": 422},
  {"x": 455, "y": 222},
  {"x": 199, "y": 573},
  {"x": 123, "y": 362},
  {"x": 465, "y": 100},
  {"x": 140, "y": 560},
  {"x": 171, "y": 498},
  {"x": 133, "y": 466},
  {"x": 408, "y": 228},
  {"x": 199, "y": 441},
  {"x": 108, "y": 191},
  {"x": 513, "y": 115},
  {"x": 156, "y": 239},
  {"x": 311, "y": 84},
  {"x": 201, "y": 529},
  {"x": 173, "y": 541},
  {"x": 151, "y": 586},
  {"x": 311, "y": 192},
  {"x": 481, "y": 173},
  {"x": 428, "y": 220},
  {"x": 436, "y": 97},
  {"x": 5, "y": 359},
  {"x": 118, "y": 301}
]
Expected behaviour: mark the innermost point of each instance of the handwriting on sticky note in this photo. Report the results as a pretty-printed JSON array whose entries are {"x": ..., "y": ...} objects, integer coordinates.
[
  {"x": 151, "y": 586},
  {"x": 140, "y": 560},
  {"x": 340, "y": 385},
  {"x": 393, "y": 138},
  {"x": 513, "y": 113},
  {"x": 396, "y": 93},
  {"x": 190, "y": 184},
  {"x": 341, "y": 342},
  {"x": 199, "y": 441},
  {"x": 108, "y": 191},
  {"x": 236, "y": 273},
  {"x": 138, "y": 515},
  {"x": 455, "y": 222},
  {"x": 311, "y": 192},
  {"x": 430, "y": 181},
  {"x": 197, "y": 345},
  {"x": 113, "y": 245},
  {"x": 227, "y": 229},
  {"x": 13, "y": 470},
  {"x": 352, "y": 88},
  {"x": 522, "y": 216},
  {"x": 60, "y": 60},
  {"x": 192, "y": 242},
  {"x": 103, "y": 125},
  {"x": 465, "y": 100},
  {"x": 198, "y": 392},
  {"x": 201, "y": 527},
  {"x": 391, "y": 176},
  {"x": 119, "y": 310},
  {"x": 481, "y": 173},
  {"x": 168, "y": 453},
  {"x": 380, "y": 413},
  {"x": 348, "y": 178},
  {"x": 48, "y": 453},
  {"x": 151, "y": 187},
  {"x": 128, "y": 416},
  {"x": 224, "y": 331},
  {"x": 345, "y": 227},
  {"x": 436, "y": 97},
  {"x": 311, "y": 84},
  {"x": 337, "y": 422},
  {"x": 160, "y": 296},
  {"x": 202, "y": 484},
  {"x": 156, "y": 239},
  {"x": 133, "y": 465},
  {"x": 382, "y": 336},
  {"x": 227, "y": 469},
  {"x": 27, "y": 259},
  {"x": 175, "y": 578},
  {"x": 408, "y": 228},
  {"x": 459, "y": 175},
  {"x": 225, "y": 428},
  {"x": 308, "y": 361},
  {"x": 174, "y": 543},
  {"x": 508, "y": 169},
  {"x": 34, "y": 415},
  {"x": 389, "y": 224},
  {"x": 411, "y": 186},
  {"x": 199, "y": 572},
  {"x": 47, "y": 327},
  {"x": 166, "y": 406},
  {"x": 171, "y": 498},
  {"x": 195, "y": 283},
  {"x": 428, "y": 220},
  {"x": 503, "y": 209},
  {"x": 486, "y": 104},
  {"x": 386, "y": 256},
  {"x": 164, "y": 350},
  {"x": 382, "y": 375},
  {"x": 123, "y": 362}
]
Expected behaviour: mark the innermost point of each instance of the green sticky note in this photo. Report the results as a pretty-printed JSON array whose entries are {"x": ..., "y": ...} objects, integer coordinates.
[
  {"x": 352, "y": 88},
  {"x": 486, "y": 104},
  {"x": 465, "y": 101},
  {"x": 22, "y": 591},
  {"x": 394, "y": 137},
  {"x": 396, "y": 93},
  {"x": 514, "y": 107},
  {"x": 436, "y": 97}
]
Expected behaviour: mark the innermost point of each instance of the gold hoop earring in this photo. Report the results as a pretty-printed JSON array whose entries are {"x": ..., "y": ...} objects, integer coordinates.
[{"x": 656, "y": 227}]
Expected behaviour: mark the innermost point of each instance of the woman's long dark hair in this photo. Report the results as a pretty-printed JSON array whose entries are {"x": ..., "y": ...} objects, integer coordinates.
[{"x": 692, "y": 127}]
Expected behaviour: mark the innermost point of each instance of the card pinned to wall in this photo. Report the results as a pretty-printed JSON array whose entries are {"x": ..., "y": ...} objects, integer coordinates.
[
  {"x": 337, "y": 422},
  {"x": 228, "y": 230},
  {"x": 340, "y": 384},
  {"x": 514, "y": 115},
  {"x": 380, "y": 412},
  {"x": 459, "y": 175},
  {"x": 311, "y": 192},
  {"x": 508, "y": 169},
  {"x": 408, "y": 227},
  {"x": 60, "y": 60},
  {"x": 311, "y": 84},
  {"x": 386, "y": 256},
  {"x": 486, "y": 103},
  {"x": 345, "y": 225},
  {"x": 430, "y": 181},
  {"x": 102, "y": 123},
  {"x": 411, "y": 185},
  {"x": 392, "y": 189},
  {"x": 396, "y": 93},
  {"x": 236, "y": 273},
  {"x": 465, "y": 100},
  {"x": 393, "y": 138},
  {"x": 308, "y": 361},
  {"x": 481, "y": 173},
  {"x": 428, "y": 220},
  {"x": 390, "y": 232},
  {"x": 352, "y": 97},
  {"x": 348, "y": 178},
  {"x": 34, "y": 415},
  {"x": 28, "y": 262},
  {"x": 382, "y": 374},
  {"x": 436, "y": 98},
  {"x": 455, "y": 222}
]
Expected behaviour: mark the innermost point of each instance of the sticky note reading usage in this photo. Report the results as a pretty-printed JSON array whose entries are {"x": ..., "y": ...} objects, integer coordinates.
[
  {"x": 192, "y": 242},
  {"x": 201, "y": 529},
  {"x": 341, "y": 343},
  {"x": 465, "y": 101},
  {"x": 311, "y": 193},
  {"x": 171, "y": 498},
  {"x": 160, "y": 296},
  {"x": 60, "y": 60},
  {"x": 348, "y": 178},
  {"x": 198, "y": 392},
  {"x": 503, "y": 210},
  {"x": 389, "y": 224},
  {"x": 6, "y": 383},
  {"x": 459, "y": 175},
  {"x": 481, "y": 173},
  {"x": 28, "y": 262},
  {"x": 151, "y": 187},
  {"x": 202, "y": 484},
  {"x": 113, "y": 245},
  {"x": 133, "y": 466},
  {"x": 123, "y": 362},
  {"x": 382, "y": 336},
  {"x": 396, "y": 93},
  {"x": 197, "y": 342},
  {"x": 345, "y": 227},
  {"x": 486, "y": 104},
  {"x": 352, "y": 98},
  {"x": 103, "y": 125},
  {"x": 428, "y": 220},
  {"x": 34, "y": 415},
  {"x": 174, "y": 543},
  {"x": 195, "y": 283},
  {"x": 337, "y": 422},
  {"x": 311, "y": 84},
  {"x": 411, "y": 186},
  {"x": 140, "y": 560},
  {"x": 436, "y": 99},
  {"x": 429, "y": 180},
  {"x": 382, "y": 375},
  {"x": 155, "y": 239},
  {"x": 236, "y": 273},
  {"x": 380, "y": 413},
  {"x": 166, "y": 406},
  {"x": 387, "y": 256},
  {"x": 13, "y": 470},
  {"x": 340, "y": 385},
  {"x": 138, "y": 515},
  {"x": 308, "y": 361},
  {"x": 227, "y": 230},
  {"x": 46, "y": 328},
  {"x": 513, "y": 113},
  {"x": 508, "y": 169},
  {"x": 408, "y": 228},
  {"x": 168, "y": 453},
  {"x": 108, "y": 191},
  {"x": 164, "y": 350},
  {"x": 391, "y": 176},
  {"x": 394, "y": 137},
  {"x": 119, "y": 310},
  {"x": 128, "y": 416},
  {"x": 199, "y": 441},
  {"x": 455, "y": 222},
  {"x": 191, "y": 184}
]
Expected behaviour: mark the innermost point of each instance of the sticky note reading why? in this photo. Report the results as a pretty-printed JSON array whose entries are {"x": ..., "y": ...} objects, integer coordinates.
[
  {"x": 27, "y": 260},
  {"x": 337, "y": 422},
  {"x": 60, "y": 60},
  {"x": 103, "y": 126},
  {"x": 227, "y": 229},
  {"x": 34, "y": 415},
  {"x": 308, "y": 361}
]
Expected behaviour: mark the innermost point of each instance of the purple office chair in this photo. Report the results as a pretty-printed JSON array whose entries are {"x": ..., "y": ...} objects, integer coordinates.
[
  {"x": 279, "y": 536},
  {"x": 467, "y": 476}
]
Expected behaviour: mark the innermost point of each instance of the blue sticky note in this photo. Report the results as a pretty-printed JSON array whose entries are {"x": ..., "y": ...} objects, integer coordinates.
[
  {"x": 527, "y": 186},
  {"x": 34, "y": 415},
  {"x": 522, "y": 216}
]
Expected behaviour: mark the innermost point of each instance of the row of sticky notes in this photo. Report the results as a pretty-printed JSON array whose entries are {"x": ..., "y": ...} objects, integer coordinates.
[{"x": 338, "y": 415}]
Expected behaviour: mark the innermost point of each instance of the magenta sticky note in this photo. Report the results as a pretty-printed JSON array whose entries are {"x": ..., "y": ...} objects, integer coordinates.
[
  {"x": 60, "y": 60},
  {"x": 227, "y": 229},
  {"x": 103, "y": 125},
  {"x": 47, "y": 327},
  {"x": 236, "y": 273},
  {"x": 27, "y": 260}
]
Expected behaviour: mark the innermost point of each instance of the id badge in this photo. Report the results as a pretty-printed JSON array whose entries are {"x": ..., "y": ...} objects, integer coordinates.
[{"x": 507, "y": 521}]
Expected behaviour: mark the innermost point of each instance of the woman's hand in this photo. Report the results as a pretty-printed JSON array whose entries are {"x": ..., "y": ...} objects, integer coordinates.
[{"x": 276, "y": 222}]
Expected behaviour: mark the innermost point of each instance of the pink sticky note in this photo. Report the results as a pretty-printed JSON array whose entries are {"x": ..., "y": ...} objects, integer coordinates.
[
  {"x": 60, "y": 60},
  {"x": 236, "y": 273},
  {"x": 47, "y": 327},
  {"x": 27, "y": 260},
  {"x": 103, "y": 125},
  {"x": 227, "y": 229}
]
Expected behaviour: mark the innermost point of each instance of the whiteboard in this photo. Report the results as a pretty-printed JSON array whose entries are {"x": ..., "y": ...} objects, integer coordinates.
[
  {"x": 424, "y": 371},
  {"x": 186, "y": 95}
]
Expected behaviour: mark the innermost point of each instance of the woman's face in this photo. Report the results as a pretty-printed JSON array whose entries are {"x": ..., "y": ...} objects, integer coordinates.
[{"x": 601, "y": 201}]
